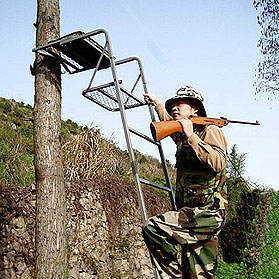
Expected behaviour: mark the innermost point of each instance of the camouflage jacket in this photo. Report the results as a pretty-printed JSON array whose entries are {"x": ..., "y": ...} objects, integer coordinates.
[
  {"x": 201, "y": 162},
  {"x": 200, "y": 181}
]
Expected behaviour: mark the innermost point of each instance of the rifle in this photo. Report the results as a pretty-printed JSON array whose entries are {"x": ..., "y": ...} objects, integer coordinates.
[{"x": 162, "y": 129}]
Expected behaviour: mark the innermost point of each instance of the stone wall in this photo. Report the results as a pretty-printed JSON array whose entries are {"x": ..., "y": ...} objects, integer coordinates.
[
  {"x": 104, "y": 241},
  {"x": 17, "y": 238}
]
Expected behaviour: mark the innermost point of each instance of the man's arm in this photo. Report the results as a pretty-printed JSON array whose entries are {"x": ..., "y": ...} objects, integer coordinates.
[
  {"x": 211, "y": 147},
  {"x": 160, "y": 109},
  {"x": 162, "y": 113}
]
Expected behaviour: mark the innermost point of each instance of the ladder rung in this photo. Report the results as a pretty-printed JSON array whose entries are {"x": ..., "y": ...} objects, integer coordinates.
[
  {"x": 150, "y": 183},
  {"x": 132, "y": 130}
]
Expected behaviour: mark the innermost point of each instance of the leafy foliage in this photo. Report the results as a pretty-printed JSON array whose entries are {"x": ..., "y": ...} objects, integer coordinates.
[
  {"x": 235, "y": 183},
  {"x": 260, "y": 259},
  {"x": 236, "y": 163},
  {"x": 269, "y": 252},
  {"x": 268, "y": 69},
  {"x": 230, "y": 270},
  {"x": 241, "y": 237},
  {"x": 236, "y": 234},
  {"x": 16, "y": 143}
]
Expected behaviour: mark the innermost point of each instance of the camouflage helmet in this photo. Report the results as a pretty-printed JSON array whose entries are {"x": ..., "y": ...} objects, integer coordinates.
[{"x": 187, "y": 92}]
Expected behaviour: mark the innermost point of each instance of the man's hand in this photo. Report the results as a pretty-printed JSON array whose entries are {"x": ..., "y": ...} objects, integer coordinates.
[
  {"x": 148, "y": 97},
  {"x": 187, "y": 126}
]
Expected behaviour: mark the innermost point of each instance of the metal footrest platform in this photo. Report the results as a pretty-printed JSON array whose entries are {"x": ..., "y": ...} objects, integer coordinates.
[
  {"x": 105, "y": 95},
  {"x": 79, "y": 52}
]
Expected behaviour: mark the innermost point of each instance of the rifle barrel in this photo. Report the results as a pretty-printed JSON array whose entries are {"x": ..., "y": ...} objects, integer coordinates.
[{"x": 240, "y": 122}]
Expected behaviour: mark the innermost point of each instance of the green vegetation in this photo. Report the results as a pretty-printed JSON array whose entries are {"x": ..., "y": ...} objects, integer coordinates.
[
  {"x": 260, "y": 259},
  {"x": 94, "y": 155},
  {"x": 16, "y": 143},
  {"x": 230, "y": 271},
  {"x": 250, "y": 240},
  {"x": 235, "y": 183},
  {"x": 269, "y": 253}
]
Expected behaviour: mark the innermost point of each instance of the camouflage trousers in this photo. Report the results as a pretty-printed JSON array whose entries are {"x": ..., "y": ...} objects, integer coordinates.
[{"x": 184, "y": 243}]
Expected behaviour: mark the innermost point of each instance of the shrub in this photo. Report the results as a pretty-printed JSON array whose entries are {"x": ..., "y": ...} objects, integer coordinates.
[
  {"x": 88, "y": 154},
  {"x": 5, "y": 105},
  {"x": 230, "y": 271},
  {"x": 16, "y": 160}
]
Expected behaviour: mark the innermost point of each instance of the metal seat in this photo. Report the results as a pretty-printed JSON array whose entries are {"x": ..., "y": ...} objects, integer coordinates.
[{"x": 79, "y": 52}]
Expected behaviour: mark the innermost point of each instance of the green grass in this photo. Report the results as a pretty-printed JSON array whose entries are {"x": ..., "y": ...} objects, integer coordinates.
[
  {"x": 268, "y": 267},
  {"x": 230, "y": 271},
  {"x": 270, "y": 251}
]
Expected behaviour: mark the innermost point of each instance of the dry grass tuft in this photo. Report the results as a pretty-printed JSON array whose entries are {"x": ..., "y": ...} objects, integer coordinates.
[{"x": 88, "y": 154}]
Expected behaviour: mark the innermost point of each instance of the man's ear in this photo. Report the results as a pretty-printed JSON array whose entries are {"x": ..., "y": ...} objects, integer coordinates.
[{"x": 196, "y": 109}]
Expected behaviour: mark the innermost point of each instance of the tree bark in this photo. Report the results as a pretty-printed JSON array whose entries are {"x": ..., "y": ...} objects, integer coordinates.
[{"x": 51, "y": 259}]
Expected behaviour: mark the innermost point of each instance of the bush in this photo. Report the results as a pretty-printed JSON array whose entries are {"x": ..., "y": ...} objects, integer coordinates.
[
  {"x": 16, "y": 158},
  {"x": 230, "y": 271},
  {"x": 5, "y": 106},
  {"x": 270, "y": 250}
]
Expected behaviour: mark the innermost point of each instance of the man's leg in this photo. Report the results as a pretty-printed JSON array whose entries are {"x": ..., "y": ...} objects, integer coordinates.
[
  {"x": 188, "y": 226},
  {"x": 199, "y": 261},
  {"x": 164, "y": 249}
]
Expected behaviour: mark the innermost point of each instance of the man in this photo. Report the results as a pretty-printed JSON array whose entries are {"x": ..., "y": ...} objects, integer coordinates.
[{"x": 184, "y": 243}]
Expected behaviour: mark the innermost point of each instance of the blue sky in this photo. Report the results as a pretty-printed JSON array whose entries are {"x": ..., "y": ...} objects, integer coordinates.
[{"x": 211, "y": 45}]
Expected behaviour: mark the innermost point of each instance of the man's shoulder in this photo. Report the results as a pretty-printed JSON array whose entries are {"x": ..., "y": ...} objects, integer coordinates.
[
  {"x": 213, "y": 131},
  {"x": 212, "y": 128}
]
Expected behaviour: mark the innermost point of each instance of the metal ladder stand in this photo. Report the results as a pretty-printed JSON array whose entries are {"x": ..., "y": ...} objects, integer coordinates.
[{"x": 78, "y": 53}]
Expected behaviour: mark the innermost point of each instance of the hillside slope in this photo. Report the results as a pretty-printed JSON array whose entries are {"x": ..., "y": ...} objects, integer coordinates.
[{"x": 94, "y": 155}]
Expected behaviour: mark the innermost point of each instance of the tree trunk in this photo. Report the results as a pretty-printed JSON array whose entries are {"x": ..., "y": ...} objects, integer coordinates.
[{"x": 51, "y": 259}]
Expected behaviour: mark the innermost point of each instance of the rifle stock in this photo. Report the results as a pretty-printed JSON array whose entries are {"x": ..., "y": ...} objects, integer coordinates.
[{"x": 162, "y": 129}]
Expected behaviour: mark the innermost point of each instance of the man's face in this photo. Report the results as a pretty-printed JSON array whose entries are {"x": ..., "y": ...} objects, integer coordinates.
[{"x": 182, "y": 108}]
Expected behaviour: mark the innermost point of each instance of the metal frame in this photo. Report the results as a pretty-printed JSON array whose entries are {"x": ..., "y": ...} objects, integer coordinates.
[
  {"x": 128, "y": 129},
  {"x": 66, "y": 45},
  {"x": 112, "y": 98},
  {"x": 81, "y": 60}
]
